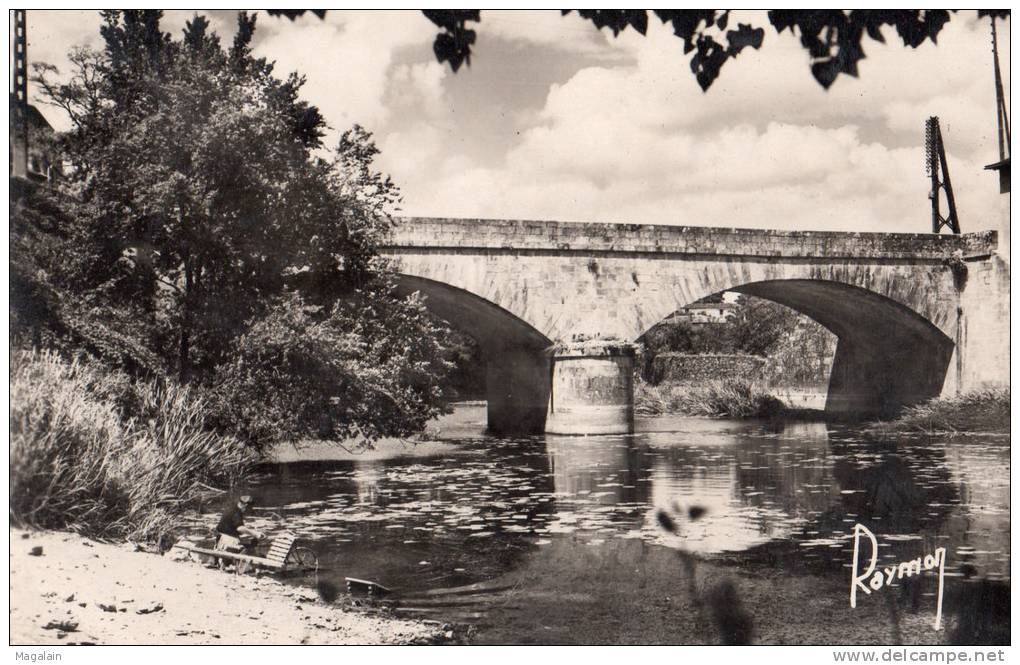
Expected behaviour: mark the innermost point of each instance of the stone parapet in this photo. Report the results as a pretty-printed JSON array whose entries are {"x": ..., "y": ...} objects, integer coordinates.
[{"x": 486, "y": 234}]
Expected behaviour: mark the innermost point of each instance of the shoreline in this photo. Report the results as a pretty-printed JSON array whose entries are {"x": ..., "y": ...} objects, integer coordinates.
[{"x": 114, "y": 594}]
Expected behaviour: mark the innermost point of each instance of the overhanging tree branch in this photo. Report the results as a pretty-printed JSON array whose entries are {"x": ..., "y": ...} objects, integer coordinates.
[{"x": 831, "y": 37}]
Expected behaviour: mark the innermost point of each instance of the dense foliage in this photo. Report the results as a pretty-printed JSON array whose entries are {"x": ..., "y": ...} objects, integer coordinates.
[
  {"x": 200, "y": 213},
  {"x": 363, "y": 369},
  {"x": 726, "y": 398},
  {"x": 799, "y": 350}
]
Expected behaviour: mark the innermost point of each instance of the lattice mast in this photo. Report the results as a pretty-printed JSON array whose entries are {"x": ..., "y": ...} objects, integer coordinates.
[
  {"x": 938, "y": 171},
  {"x": 19, "y": 85}
]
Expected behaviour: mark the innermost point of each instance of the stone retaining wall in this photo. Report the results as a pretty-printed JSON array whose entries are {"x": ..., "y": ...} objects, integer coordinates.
[{"x": 684, "y": 368}]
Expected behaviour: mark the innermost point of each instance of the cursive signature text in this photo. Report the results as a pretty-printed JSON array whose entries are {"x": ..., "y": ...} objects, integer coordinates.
[{"x": 873, "y": 580}]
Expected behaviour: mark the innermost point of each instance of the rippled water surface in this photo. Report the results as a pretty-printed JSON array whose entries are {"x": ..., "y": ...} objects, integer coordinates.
[{"x": 558, "y": 539}]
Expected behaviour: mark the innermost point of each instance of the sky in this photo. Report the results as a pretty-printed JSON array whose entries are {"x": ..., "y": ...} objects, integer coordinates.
[{"x": 555, "y": 120}]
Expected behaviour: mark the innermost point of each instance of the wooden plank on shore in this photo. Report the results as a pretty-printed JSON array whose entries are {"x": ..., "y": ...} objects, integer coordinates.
[
  {"x": 223, "y": 554},
  {"x": 368, "y": 585}
]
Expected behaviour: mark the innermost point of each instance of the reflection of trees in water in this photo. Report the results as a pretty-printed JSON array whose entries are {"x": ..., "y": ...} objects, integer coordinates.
[
  {"x": 754, "y": 486},
  {"x": 390, "y": 514},
  {"x": 981, "y": 610},
  {"x": 278, "y": 485},
  {"x": 875, "y": 483},
  {"x": 893, "y": 489},
  {"x": 908, "y": 489},
  {"x": 981, "y": 522},
  {"x": 751, "y": 488}
]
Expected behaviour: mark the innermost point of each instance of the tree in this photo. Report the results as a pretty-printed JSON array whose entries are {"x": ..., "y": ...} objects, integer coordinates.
[
  {"x": 361, "y": 368},
  {"x": 760, "y": 325},
  {"x": 799, "y": 350},
  {"x": 202, "y": 208},
  {"x": 832, "y": 37}
]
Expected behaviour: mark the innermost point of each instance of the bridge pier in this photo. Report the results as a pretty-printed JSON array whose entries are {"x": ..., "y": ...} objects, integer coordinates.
[
  {"x": 592, "y": 388},
  {"x": 878, "y": 378},
  {"x": 517, "y": 390}
]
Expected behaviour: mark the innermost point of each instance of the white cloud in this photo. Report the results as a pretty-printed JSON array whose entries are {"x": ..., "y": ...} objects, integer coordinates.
[
  {"x": 850, "y": 186},
  {"x": 413, "y": 150},
  {"x": 547, "y": 28},
  {"x": 347, "y": 59},
  {"x": 417, "y": 88},
  {"x": 765, "y": 147},
  {"x": 630, "y": 136}
]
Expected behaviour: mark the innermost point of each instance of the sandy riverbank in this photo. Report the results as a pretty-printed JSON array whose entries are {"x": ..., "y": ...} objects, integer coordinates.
[{"x": 116, "y": 595}]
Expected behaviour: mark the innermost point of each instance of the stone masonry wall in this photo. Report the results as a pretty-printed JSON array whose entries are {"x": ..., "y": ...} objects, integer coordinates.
[
  {"x": 564, "y": 293},
  {"x": 557, "y": 236},
  {"x": 982, "y": 353},
  {"x": 686, "y": 368}
]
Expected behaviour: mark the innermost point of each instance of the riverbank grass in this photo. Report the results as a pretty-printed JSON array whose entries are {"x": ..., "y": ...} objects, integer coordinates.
[
  {"x": 983, "y": 411},
  {"x": 97, "y": 453},
  {"x": 720, "y": 399}
]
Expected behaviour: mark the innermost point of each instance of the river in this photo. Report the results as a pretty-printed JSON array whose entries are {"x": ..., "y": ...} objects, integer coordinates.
[{"x": 562, "y": 539}]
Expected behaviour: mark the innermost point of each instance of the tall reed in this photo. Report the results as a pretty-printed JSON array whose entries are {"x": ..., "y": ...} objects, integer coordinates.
[
  {"x": 984, "y": 410},
  {"x": 82, "y": 459},
  {"x": 729, "y": 398}
]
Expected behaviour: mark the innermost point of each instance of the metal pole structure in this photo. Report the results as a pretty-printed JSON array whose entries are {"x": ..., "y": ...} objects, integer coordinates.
[
  {"x": 951, "y": 220},
  {"x": 938, "y": 171},
  {"x": 932, "y": 166},
  {"x": 1002, "y": 116},
  {"x": 19, "y": 81}
]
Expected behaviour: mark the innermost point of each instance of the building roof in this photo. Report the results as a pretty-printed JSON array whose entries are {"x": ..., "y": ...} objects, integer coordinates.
[
  {"x": 711, "y": 305},
  {"x": 35, "y": 118},
  {"x": 1003, "y": 164}
]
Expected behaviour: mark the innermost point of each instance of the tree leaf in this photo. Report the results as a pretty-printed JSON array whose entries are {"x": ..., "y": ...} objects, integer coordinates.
[{"x": 743, "y": 37}]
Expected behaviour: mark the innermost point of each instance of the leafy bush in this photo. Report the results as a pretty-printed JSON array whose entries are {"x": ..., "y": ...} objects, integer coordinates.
[
  {"x": 984, "y": 410},
  {"x": 722, "y": 399},
  {"x": 369, "y": 366},
  {"x": 79, "y": 462}
]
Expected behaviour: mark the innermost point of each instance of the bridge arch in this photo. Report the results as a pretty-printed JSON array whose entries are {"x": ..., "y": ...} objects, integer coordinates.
[
  {"x": 494, "y": 328},
  {"x": 926, "y": 291},
  {"x": 887, "y": 355},
  {"x": 516, "y": 366}
]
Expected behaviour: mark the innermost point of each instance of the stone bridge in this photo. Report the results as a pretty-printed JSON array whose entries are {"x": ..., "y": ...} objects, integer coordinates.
[{"x": 557, "y": 307}]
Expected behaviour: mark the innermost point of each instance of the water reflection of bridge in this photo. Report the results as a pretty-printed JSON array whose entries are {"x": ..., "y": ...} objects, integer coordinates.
[
  {"x": 741, "y": 491},
  {"x": 797, "y": 485}
]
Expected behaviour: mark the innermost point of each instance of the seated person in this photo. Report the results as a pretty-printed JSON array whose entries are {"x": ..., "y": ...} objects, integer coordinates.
[{"x": 233, "y": 535}]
